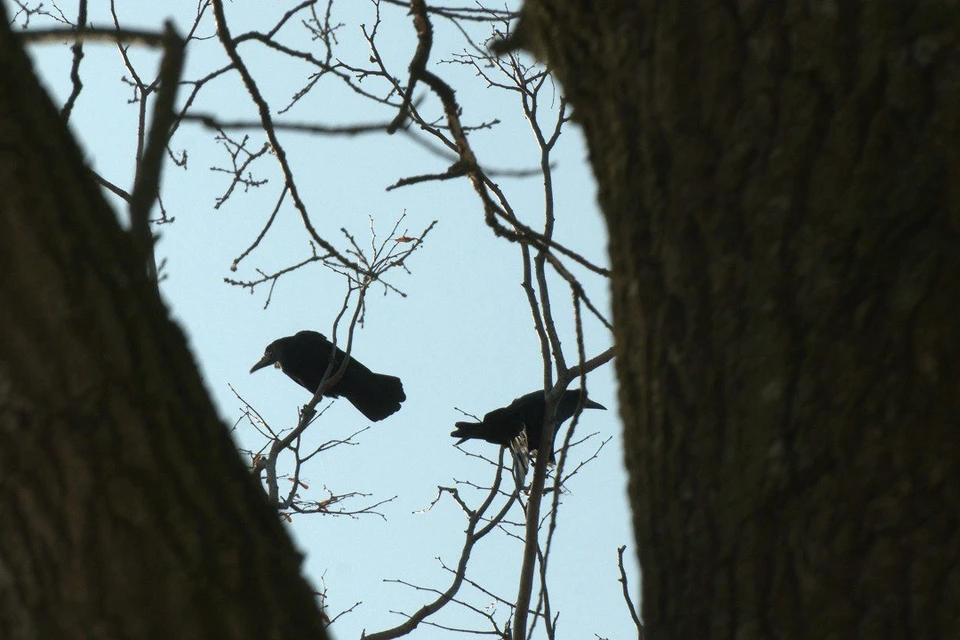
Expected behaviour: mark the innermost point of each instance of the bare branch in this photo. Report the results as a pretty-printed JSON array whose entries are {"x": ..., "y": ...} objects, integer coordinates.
[
  {"x": 146, "y": 186},
  {"x": 471, "y": 537},
  {"x": 230, "y": 47},
  {"x": 76, "y": 83},
  {"x": 641, "y": 634},
  {"x": 212, "y": 122},
  {"x": 92, "y": 34}
]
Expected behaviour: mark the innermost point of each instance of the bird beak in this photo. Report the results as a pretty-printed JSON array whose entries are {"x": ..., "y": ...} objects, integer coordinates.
[
  {"x": 265, "y": 361},
  {"x": 590, "y": 404}
]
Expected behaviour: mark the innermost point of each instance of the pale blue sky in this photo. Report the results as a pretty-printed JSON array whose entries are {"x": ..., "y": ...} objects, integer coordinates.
[{"x": 462, "y": 337}]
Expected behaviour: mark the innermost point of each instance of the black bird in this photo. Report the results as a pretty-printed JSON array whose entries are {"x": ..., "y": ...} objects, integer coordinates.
[
  {"x": 520, "y": 424},
  {"x": 304, "y": 358}
]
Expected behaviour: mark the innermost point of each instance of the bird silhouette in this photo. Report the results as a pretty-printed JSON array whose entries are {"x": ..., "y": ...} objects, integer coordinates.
[
  {"x": 304, "y": 357},
  {"x": 519, "y": 425}
]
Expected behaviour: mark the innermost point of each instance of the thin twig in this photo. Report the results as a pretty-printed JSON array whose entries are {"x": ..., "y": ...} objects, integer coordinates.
[{"x": 641, "y": 632}]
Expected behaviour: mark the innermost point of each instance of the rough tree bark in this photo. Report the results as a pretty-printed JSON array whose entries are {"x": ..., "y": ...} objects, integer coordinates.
[
  {"x": 127, "y": 512},
  {"x": 781, "y": 182}
]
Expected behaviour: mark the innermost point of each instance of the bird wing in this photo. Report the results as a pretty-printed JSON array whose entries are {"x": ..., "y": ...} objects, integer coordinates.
[
  {"x": 299, "y": 379},
  {"x": 519, "y": 444},
  {"x": 521, "y": 456},
  {"x": 502, "y": 425},
  {"x": 304, "y": 359}
]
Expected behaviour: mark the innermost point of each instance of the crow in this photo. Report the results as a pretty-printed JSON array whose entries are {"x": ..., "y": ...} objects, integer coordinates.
[
  {"x": 304, "y": 358},
  {"x": 520, "y": 424}
]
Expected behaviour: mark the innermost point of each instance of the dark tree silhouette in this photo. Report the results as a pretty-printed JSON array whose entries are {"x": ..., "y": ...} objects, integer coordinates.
[
  {"x": 779, "y": 182},
  {"x": 128, "y": 512}
]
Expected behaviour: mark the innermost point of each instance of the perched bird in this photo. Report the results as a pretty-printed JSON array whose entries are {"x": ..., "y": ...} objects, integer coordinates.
[
  {"x": 520, "y": 424},
  {"x": 304, "y": 358}
]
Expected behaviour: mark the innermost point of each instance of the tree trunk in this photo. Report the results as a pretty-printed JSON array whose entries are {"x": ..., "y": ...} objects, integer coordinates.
[
  {"x": 781, "y": 182},
  {"x": 127, "y": 512}
]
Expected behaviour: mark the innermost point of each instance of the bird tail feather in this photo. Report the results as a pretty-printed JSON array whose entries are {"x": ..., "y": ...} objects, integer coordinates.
[
  {"x": 380, "y": 396},
  {"x": 466, "y": 430}
]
